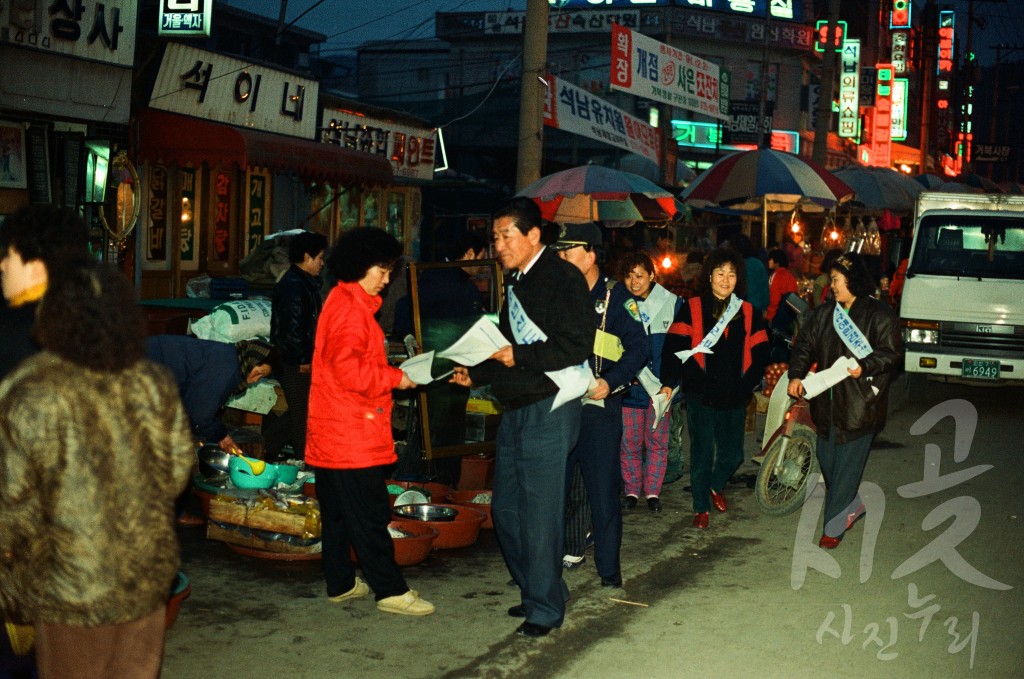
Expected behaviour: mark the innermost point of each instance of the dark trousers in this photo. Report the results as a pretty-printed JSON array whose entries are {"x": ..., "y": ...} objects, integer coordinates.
[
  {"x": 597, "y": 453},
  {"x": 716, "y": 448},
  {"x": 842, "y": 465},
  {"x": 529, "y": 502},
  {"x": 577, "y": 513},
  {"x": 295, "y": 386},
  {"x": 355, "y": 512}
]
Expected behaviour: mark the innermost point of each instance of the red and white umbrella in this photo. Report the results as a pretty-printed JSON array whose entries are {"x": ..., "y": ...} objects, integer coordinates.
[{"x": 594, "y": 193}]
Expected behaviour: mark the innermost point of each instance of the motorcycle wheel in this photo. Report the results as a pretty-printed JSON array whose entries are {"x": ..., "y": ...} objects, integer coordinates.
[{"x": 781, "y": 485}]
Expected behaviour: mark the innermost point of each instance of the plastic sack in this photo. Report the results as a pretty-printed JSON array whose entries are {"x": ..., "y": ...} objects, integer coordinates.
[{"x": 235, "y": 321}]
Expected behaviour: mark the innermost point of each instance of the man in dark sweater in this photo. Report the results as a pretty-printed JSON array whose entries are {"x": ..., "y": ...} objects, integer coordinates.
[{"x": 548, "y": 314}]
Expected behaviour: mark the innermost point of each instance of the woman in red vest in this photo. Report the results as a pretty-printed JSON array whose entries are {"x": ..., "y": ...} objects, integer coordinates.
[{"x": 715, "y": 352}]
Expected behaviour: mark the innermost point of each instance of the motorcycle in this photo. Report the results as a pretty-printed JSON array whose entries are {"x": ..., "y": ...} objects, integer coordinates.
[{"x": 788, "y": 460}]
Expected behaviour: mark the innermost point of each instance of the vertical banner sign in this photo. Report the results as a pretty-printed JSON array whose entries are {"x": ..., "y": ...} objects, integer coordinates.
[
  {"x": 156, "y": 243},
  {"x": 222, "y": 216},
  {"x": 653, "y": 70},
  {"x": 881, "y": 140},
  {"x": 899, "y": 52},
  {"x": 256, "y": 208},
  {"x": 899, "y": 109},
  {"x": 849, "y": 86},
  {"x": 187, "y": 249},
  {"x": 943, "y": 80}
]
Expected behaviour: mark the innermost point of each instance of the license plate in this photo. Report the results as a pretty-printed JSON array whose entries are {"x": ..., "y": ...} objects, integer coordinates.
[{"x": 984, "y": 370}]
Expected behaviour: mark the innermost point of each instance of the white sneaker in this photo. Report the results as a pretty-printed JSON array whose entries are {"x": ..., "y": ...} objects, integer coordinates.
[
  {"x": 409, "y": 603},
  {"x": 360, "y": 589}
]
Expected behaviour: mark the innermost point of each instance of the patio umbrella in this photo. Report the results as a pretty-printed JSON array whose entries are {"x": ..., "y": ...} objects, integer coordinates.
[
  {"x": 766, "y": 180},
  {"x": 879, "y": 188},
  {"x": 978, "y": 182},
  {"x": 929, "y": 181},
  {"x": 648, "y": 169},
  {"x": 957, "y": 187},
  {"x": 594, "y": 193}
]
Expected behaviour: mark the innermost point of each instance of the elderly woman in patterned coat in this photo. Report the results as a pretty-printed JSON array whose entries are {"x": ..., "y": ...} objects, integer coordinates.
[{"x": 94, "y": 448}]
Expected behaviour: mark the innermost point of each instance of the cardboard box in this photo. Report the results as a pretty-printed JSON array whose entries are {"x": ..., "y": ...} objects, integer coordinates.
[
  {"x": 215, "y": 532},
  {"x": 239, "y": 513}
]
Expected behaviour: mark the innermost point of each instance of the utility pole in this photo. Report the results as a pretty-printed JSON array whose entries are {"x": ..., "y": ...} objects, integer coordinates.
[
  {"x": 828, "y": 85},
  {"x": 532, "y": 93}
]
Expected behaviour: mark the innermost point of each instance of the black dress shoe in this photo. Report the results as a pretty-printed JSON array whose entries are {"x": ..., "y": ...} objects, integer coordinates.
[
  {"x": 518, "y": 611},
  {"x": 654, "y": 504},
  {"x": 612, "y": 581},
  {"x": 629, "y": 502},
  {"x": 529, "y": 629}
]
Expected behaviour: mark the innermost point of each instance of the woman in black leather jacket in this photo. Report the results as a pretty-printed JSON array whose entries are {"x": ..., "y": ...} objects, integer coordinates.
[
  {"x": 851, "y": 413},
  {"x": 296, "y": 307}
]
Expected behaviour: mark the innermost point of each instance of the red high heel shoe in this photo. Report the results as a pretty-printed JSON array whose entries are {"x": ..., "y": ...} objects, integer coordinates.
[
  {"x": 829, "y": 542},
  {"x": 718, "y": 500},
  {"x": 700, "y": 520}
]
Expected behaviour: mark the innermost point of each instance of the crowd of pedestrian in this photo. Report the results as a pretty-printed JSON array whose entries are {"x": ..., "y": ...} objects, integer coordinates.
[{"x": 598, "y": 386}]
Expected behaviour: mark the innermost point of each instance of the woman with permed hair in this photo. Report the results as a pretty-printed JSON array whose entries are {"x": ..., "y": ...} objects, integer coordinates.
[
  {"x": 850, "y": 414},
  {"x": 715, "y": 353},
  {"x": 348, "y": 432},
  {"x": 95, "y": 447}
]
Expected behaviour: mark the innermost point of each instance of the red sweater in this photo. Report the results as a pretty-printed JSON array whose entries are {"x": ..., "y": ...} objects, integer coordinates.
[
  {"x": 780, "y": 282},
  {"x": 349, "y": 425}
]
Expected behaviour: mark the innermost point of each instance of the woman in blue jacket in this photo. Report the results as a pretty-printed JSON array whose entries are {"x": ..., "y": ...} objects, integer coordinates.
[{"x": 645, "y": 473}]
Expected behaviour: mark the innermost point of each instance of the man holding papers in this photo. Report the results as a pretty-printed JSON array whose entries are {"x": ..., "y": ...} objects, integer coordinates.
[
  {"x": 547, "y": 312},
  {"x": 716, "y": 351},
  {"x": 620, "y": 350},
  {"x": 863, "y": 332}
]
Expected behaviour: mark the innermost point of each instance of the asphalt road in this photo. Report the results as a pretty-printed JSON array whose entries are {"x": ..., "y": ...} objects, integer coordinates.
[{"x": 928, "y": 585}]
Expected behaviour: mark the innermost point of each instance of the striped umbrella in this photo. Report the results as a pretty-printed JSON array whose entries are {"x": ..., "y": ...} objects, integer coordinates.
[
  {"x": 768, "y": 180},
  {"x": 594, "y": 193}
]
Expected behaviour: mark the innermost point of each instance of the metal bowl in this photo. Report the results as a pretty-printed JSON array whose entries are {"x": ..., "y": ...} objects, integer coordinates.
[
  {"x": 426, "y": 512},
  {"x": 213, "y": 462},
  {"x": 411, "y": 497}
]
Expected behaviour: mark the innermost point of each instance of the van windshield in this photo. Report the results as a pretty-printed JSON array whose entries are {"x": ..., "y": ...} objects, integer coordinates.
[{"x": 970, "y": 246}]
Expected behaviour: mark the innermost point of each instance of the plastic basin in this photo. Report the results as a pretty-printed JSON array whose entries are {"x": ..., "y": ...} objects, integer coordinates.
[
  {"x": 413, "y": 549},
  {"x": 462, "y": 532},
  {"x": 465, "y": 497}
]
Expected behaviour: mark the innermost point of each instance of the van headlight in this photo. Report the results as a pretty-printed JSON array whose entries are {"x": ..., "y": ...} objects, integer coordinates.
[{"x": 920, "y": 332}]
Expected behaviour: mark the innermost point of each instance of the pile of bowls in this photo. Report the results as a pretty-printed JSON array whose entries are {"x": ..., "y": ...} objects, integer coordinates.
[
  {"x": 457, "y": 527},
  {"x": 477, "y": 499},
  {"x": 242, "y": 474},
  {"x": 213, "y": 462}
]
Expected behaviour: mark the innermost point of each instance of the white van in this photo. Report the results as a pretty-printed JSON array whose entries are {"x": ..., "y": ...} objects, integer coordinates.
[{"x": 962, "y": 310}]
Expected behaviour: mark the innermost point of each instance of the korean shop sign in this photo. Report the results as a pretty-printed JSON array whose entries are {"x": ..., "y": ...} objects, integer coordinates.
[
  {"x": 653, "y": 70},
  {"x": 185, "y": 17},
  {"x": 411, "y": 150},
  {"x": 849, "y": 86},
  {"x": 97, "y": 30},
  {"x": 223, "y": 89},
  {"x": 573, "y": 109}
]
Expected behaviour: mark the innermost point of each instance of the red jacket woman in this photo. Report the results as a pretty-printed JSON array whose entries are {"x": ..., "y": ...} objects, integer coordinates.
[
  {"x": 348, "y": 433},
  {"x": 350, "y": 403}
]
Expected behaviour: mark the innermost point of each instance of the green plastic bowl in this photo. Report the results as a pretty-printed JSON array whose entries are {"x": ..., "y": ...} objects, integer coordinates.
[
  {"x": 242, "y": 476},
  {"x": 287, "y": 473}
]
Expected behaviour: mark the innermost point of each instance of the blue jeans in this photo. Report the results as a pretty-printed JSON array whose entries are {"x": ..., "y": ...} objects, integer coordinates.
[{"x": 529, "y": 502}]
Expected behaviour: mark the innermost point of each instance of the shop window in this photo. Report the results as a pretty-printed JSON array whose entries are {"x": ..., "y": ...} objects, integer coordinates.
[
  {"x": 348, "y": 208},
  {"x": 372, "y": 209},
  {"x": 396, "y": 215}
]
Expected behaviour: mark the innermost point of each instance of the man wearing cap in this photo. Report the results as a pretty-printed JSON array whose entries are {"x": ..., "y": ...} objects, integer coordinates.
[
  {"x": 547, "y": 316},
  {"x": 620, "y": 350}
]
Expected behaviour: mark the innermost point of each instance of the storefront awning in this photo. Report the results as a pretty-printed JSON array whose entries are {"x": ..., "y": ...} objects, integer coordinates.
[{"x": 168, "y": 138}]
